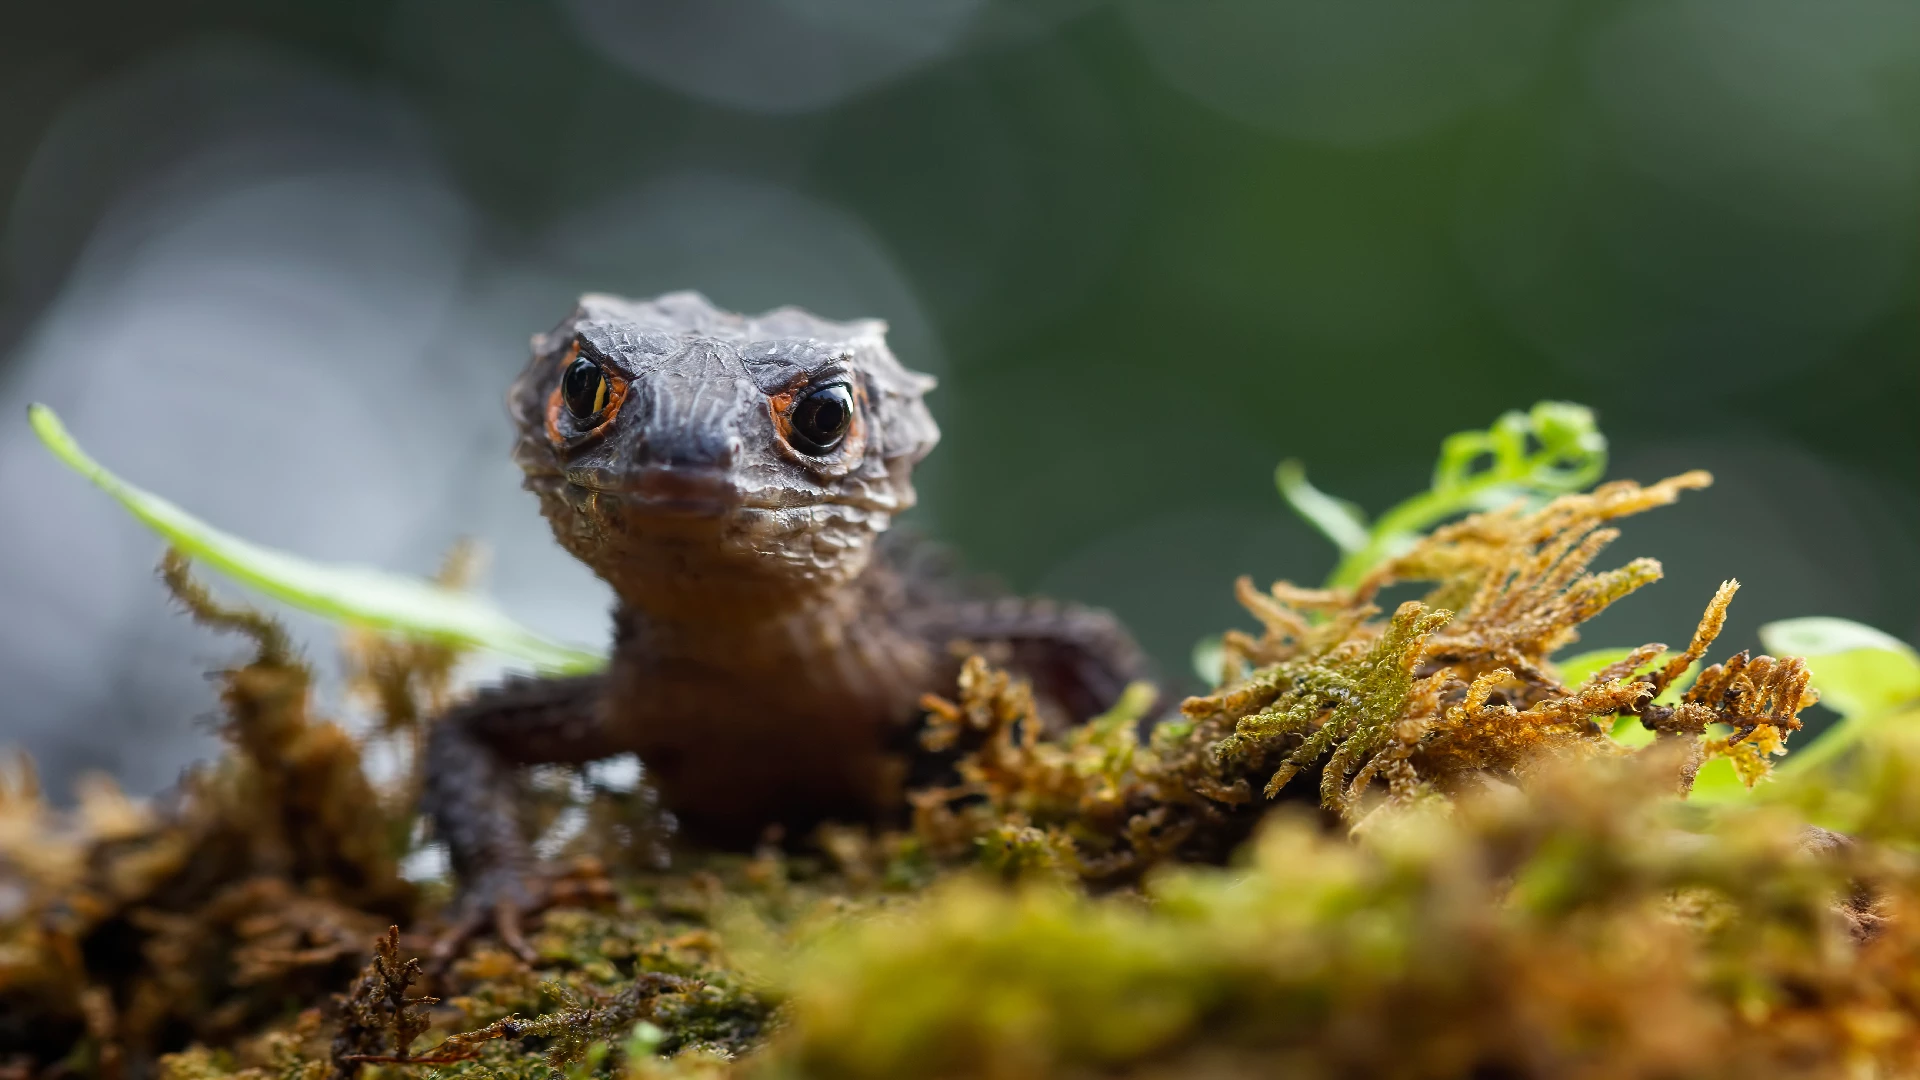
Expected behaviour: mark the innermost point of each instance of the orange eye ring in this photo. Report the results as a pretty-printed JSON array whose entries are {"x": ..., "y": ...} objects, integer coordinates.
[
  {"x": 602, "y": 390},
  {"x": 785, "y": 406},
  {"x": 820, "y": 421}
]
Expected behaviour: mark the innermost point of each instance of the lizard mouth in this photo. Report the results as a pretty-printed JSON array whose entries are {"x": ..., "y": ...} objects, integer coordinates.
[
  {"x": 704, "y": 492},
  {"x": 665, "y": 489}
]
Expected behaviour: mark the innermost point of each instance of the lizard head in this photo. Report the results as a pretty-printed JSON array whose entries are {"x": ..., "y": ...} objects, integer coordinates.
[{"x": 677, "y": 448}]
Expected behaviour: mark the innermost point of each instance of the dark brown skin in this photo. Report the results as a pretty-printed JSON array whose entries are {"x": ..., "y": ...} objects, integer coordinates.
[{"x": 733, "y": 479}]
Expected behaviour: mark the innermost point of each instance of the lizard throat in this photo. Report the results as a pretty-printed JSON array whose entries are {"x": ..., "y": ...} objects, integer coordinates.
[{"x": 693, "y": 552}]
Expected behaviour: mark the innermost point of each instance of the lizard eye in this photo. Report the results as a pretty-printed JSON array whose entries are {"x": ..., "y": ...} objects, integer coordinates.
[
  {"x": 822, "y": 418},
  {"x": 584, "y": 389}
]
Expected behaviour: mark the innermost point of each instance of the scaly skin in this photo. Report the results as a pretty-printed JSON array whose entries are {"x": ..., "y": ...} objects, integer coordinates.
[{"x": 770, "y": 649}]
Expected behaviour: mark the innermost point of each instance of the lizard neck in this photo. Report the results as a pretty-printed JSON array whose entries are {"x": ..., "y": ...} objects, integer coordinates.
[
  {"x": 695, "y": 624},
  {"x": 847, "y": 636}
]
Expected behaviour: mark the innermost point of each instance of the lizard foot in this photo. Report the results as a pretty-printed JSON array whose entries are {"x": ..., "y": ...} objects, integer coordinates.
[
  {"x": 504, "y": 899},
  {"x": 501, "y": 899}
]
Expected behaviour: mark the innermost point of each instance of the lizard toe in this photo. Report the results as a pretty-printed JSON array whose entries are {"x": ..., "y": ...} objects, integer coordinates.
[{"x": 499, "y": 901}]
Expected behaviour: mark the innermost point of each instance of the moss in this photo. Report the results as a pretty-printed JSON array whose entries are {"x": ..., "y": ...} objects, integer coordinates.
[
  {"x": 1389, "y": 843},
  {"x": 377, "y": 1020},
  {"x": 1569, "y": 926},
  {"x": 1427, "y": 702},
  {"x": 257, "y": 890}
]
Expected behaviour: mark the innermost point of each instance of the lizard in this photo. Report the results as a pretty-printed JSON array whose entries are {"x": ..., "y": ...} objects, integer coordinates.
[{"x": 733, "y": 479}]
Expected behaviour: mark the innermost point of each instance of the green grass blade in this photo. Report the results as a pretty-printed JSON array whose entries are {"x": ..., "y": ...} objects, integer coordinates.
[{"x": 352, "y": 594}]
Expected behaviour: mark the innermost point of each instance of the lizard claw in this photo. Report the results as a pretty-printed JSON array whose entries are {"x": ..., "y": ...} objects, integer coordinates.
[
  {"x": 503, "y": 900},
  {"x": 506, "y": 924}
]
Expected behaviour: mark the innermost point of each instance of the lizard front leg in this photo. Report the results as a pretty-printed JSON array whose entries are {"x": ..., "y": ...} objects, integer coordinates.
[{"x": 471, "y": 796}]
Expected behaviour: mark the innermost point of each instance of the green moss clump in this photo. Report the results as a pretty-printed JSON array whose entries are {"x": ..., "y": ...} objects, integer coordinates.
[{"x": 1581, "y": 924}]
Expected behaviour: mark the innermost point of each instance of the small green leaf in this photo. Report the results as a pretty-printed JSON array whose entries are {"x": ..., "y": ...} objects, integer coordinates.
[
  {"x": 1127, "y": 712},
  {"x": 645, "y": 1041},
  {"x": 1823, "y": 635},
  {"x": 1863, "y": 682},
  {"x": 1207, "y": 659},
  {"x": 1627, "y": 730},
  {"x": 1341, "y": 521},
  {"x": 1857, "y": 669},
  {"x": 1717, "y": 782},
  {"x": 1551, "y": 449},
  {"x": 1170, "y": 732},
  {"x": 1575, "y": 670},
  {"x": 1869, "y": 677},
  {"x": 350, "y": 594}
]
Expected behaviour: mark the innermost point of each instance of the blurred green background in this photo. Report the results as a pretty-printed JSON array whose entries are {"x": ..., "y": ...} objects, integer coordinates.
[{"x": 280, "y": 261}]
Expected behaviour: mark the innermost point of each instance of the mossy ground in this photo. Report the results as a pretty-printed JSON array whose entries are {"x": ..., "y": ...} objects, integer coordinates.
[{"x": 1490, "y": 884}]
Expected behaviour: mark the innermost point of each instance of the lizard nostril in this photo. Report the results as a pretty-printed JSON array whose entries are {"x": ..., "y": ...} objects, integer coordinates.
[{"x": 730, "y": 451}]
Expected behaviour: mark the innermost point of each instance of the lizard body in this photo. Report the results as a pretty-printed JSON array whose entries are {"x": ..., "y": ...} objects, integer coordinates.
[{"x": 733, "y": 479}]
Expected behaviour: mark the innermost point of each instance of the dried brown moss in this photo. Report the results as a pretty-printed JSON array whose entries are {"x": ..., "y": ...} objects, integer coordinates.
[
  {"x": 377, "y": 1019},
  {"x": 224, "y": 922},
  {"x": 1448, "y": 692},
  {"x": 1526, "y": 897},
  {"x": 260, "y": 880},
  {"x": 1575, "y": 925}
]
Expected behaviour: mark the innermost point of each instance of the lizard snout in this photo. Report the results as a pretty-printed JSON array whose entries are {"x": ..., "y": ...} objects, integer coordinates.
[
  {"x": 691, "y": 423},
  {"x": 665, "y": 489}
]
